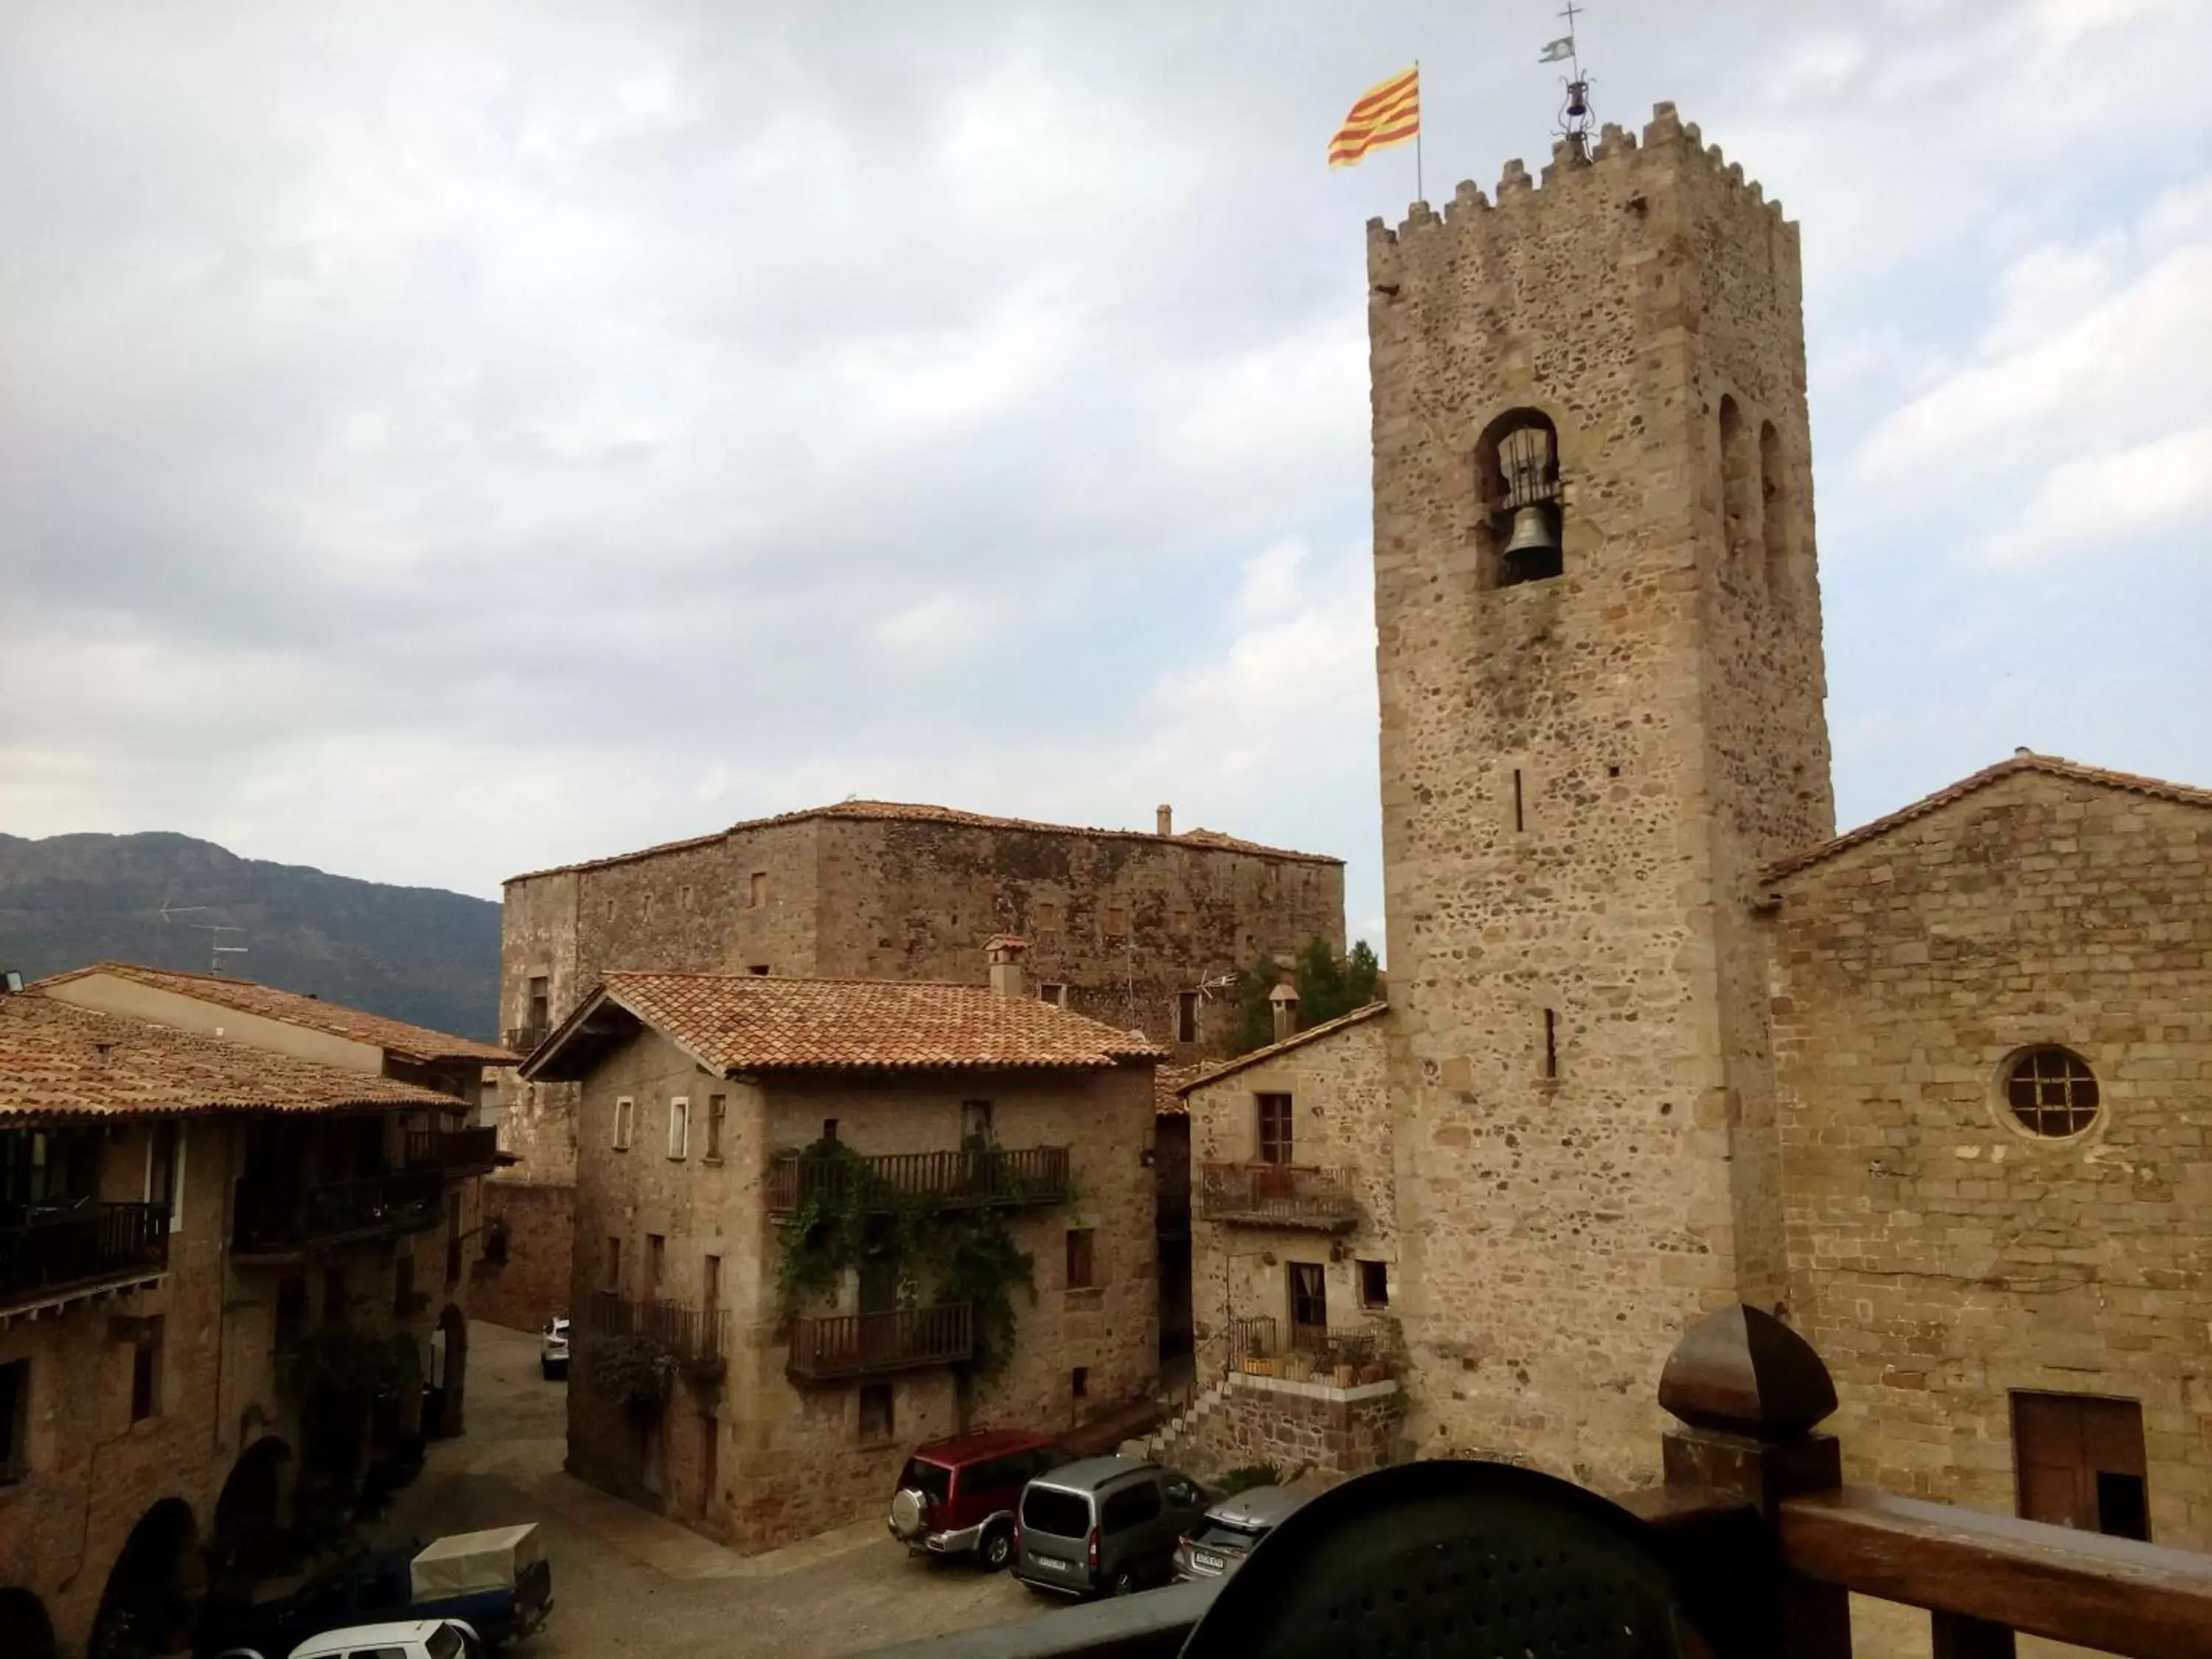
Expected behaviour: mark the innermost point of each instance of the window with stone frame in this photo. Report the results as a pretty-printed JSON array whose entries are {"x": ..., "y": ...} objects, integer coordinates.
[
  {"x": 1055, "y": 993},
  {"x": 756, "y": 889},
  {"x": 1374, "y": 1284},
  {"x": 625, "y": 1121},
  {"x": 718, "y": 1108},
  {"x": 1186, "y": 1017},
  {"x": 679, "y": 1127},
  {"x": 877, "y": 1423},
  {"x": 1082, "y": 1258},
  {"x": 1277, "y": 1144},
  {"x": 2051, "y": 1091}
]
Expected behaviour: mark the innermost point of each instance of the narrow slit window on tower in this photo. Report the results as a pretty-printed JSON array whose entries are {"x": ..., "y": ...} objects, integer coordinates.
[
  {"x": 1520, "y": 818},
  {"x": 1773, "y": 503},
  {"x": 1736, "y": 503},
  {"x": 1551, "y": 1043},
  {"x": 1518, "y": 466}
]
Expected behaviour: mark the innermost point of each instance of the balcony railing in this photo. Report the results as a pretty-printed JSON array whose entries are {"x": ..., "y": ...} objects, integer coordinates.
[
  {"x": 1277, "y": 1195},
  {"x": 980, "y": 1179},
  {"x": 695, "y": 1335},
  {"x": 863, "y": 1344},
  {"x": 521, "y": 1039},
  {"x": 275, "y": 1219},
  {"x": 453, "y": 1151},
  {"x": 1309, "y": 1354},
  {"x": 47, "y": 1251}
]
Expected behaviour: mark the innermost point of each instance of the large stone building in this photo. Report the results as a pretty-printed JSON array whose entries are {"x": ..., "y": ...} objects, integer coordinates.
[
  {"x": 821, "y": 1220},
  {"x": 1136, "y": 929},
  {"x": 1938, "y": 1090},
  {"x": 198, "y": 1233}
]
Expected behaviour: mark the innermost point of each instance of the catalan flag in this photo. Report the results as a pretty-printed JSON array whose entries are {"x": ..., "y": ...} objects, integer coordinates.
[{"x": 1385, "y": 115}]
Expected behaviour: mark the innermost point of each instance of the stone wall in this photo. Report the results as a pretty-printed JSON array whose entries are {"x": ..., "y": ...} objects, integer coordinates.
[
  {"x": 788, "y": 1460},
  {"x": 1338, "y": 1083},
  {"x": 1581, "y": 777},
  {"x": 532, "y": 1284},
  {"x": 1299, "y": 1427},
  {"x": 1942, "y": 1258},
  {"x": 94, "y": 1473}
]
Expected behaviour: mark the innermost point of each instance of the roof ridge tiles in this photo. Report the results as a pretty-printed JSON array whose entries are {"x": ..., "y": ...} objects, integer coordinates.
[{"x": 2021, "y": 760}]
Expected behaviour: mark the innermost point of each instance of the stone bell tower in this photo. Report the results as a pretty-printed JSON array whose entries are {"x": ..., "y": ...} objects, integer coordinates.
[{"x": 1599, "y": 645}]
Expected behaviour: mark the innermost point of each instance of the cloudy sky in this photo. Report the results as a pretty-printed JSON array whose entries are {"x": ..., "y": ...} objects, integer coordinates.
[{"x": 441, "y": 440}]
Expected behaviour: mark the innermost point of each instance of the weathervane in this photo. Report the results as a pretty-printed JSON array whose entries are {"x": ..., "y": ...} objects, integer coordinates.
[{"x": 1574, "y": 118}]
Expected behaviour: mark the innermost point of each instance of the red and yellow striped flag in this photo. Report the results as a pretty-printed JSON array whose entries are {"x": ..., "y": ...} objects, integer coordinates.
[{"x": 1385, "y": 115}]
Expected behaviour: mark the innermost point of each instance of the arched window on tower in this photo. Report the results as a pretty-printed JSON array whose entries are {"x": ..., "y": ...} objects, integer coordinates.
[
  {"x": 1517, "y": 472},
  {"x": 1738, "y": 504},
  {"x": 1774, "y": 504}
]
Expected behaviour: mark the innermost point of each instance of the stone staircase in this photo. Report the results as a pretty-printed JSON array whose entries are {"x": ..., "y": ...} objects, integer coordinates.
[{"x": 1179, "y": 1429}]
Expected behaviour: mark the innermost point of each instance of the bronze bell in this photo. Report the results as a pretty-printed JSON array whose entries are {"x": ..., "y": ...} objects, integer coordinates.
[{"x": 1532, "y": 531}]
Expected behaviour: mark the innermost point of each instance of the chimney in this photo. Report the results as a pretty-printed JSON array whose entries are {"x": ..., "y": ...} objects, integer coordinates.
[
  {"x": 1167, "y": 819},
  {"x": 1283, "y": 1001},
  {"x": 1006, "y": 952}
]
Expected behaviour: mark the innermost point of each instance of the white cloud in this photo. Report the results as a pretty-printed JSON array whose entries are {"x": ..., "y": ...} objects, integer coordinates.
[{"x": 2105, "y": 505}]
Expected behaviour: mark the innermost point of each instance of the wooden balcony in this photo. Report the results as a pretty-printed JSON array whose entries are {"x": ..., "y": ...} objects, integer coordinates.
[
  {"x": 53, "y": 1253},
  {"x": 1277, "y": 1195},
  {"x": 275, "y": 1221},
  {"x": 1762, "y": 1542},
  {"x": 453, "y": 1152},
  {"x": 696, "y": 1336},
  {"x": 845, "y": 1346},
  {"x": 992, "y": 1178}
]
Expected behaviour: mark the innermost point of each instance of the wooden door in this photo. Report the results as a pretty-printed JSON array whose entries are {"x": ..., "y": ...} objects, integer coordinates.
[
  {"x": 2081, "y": 1462},
  {"x": 1308, "y": 1299}
]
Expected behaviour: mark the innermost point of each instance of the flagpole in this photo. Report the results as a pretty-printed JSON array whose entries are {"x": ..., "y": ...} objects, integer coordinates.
[{"x": 1419, "y": 195}]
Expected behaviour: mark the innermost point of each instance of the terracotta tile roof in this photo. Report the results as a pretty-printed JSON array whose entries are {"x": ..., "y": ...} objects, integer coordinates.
[
  {"x": 2025, "y": 761},
  {"x": 1166, "y": 1089},
  {"x": 1312, "y": 1034},
  {"x": 892, "y": 811},
  {"x": 417, "y": 1044},
  {"x": 59, "y": 1060},
  {"x": 735, "y": 1023}
]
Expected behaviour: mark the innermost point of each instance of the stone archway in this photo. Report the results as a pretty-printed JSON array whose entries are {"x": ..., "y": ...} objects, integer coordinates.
[
  {"x": 153, "y": 1589},
  {"x": 26, "y": 1633},
  {"x": 446, "y": 1398},
  {"x": 250, "y": 1538}
]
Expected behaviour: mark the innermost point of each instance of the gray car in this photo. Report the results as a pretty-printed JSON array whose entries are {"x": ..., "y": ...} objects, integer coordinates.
[
  {"x": 1103, "y": 1525},
  {"x": 1226, "y": 1535}
]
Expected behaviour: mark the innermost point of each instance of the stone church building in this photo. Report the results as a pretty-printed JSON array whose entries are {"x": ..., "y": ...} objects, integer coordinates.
[{"x": 1659, "y": 1041}]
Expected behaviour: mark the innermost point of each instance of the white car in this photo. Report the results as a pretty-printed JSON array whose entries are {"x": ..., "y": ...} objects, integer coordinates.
[
  {"x": 413, "y": 1638},
  {"x": 553, "y": 1350}
]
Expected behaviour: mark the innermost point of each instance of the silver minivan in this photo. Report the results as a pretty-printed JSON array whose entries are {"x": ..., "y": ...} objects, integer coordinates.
[{"x": 1103, "y": 1524}]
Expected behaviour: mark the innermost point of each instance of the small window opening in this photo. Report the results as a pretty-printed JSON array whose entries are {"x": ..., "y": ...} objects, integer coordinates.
[
  {"x": 1520, "y": 818},
  {"x": 978, "y": 1125},
  {"x": 1117, "y": 922},
  {"x": 758, "y": 968},
  {"x": 1773, "y": 504},
  {"x": 1082, "y": 1262},
  {"x": 1186, "y": 1017},
  {"x": 1055, "y": 994},
  {"x": 828, "y": 1128},
  {"x": 756, "y": 889},
  {"x": 614, "y": 1263},
  {"x": 15, "y": 1418},
  {"x": 2051, "y": 1091},
  {"x": 1374, "y": 1284},
  {"x": 876, "y": 1420},
  {"x": 1551, "y": 1043},
  {"x": 146, "y": 1372},
  {"x": 1078, "y": 1382},
  {"x": 540, "y": 1000},
  {"x": 718, "y": 1108},
  {"x": 656, "y": 1262},
  {"x": 1517, "y": 474},
  {"x": 1737, "y": 505}
]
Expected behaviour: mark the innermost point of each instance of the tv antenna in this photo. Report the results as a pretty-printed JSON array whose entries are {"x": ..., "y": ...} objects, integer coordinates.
[
  {"x": 216, "y": 949},
  {"x": 1574, "y": 118}
]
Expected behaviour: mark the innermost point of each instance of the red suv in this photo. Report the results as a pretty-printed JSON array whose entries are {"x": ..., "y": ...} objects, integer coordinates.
[{"x": 956, "y": 1495}]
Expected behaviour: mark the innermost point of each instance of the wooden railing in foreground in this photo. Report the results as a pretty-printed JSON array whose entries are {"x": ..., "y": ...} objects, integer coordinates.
[{"x": 1767, "y": 1544}]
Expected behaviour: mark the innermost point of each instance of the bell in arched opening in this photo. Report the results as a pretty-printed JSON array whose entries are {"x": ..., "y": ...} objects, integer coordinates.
[{"x": 1531, "y": 478}]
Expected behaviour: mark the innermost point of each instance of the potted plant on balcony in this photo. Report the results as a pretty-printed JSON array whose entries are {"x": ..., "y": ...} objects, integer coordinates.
[{"x": 636, "y": 1371}]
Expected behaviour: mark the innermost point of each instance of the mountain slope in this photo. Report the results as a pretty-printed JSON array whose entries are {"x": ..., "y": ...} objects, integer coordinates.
[{"x": 413, "y": 953}]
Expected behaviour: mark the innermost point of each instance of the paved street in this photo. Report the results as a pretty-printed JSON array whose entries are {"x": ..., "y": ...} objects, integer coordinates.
[{"x": 627, "y": 1582}]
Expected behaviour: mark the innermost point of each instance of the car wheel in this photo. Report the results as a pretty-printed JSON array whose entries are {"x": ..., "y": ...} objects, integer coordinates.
[
  {"x": 1124, "y": 1583},
  {"x": 996, "y": 1549}
]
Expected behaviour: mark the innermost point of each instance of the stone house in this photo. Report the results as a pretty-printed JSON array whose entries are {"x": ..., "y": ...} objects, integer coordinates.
[
  {"x": 1992, "y": 1015},
  {"x": 186, "y": 1221},
  {"x": 797, "y": 1203},
  {"x": 1294, "y": 1252},
  {"x": 1136, "y": 928}
]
